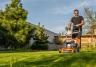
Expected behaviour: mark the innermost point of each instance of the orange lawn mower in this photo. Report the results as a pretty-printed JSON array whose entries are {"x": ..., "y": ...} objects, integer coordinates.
[{"x": 72, "y": 41}]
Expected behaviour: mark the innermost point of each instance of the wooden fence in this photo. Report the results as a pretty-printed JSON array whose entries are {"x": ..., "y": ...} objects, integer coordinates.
[{"x": 87, "y": 41}]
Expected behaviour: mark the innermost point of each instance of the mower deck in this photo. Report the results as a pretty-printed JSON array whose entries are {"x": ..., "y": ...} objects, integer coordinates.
[{"x": 63, "y": 50}]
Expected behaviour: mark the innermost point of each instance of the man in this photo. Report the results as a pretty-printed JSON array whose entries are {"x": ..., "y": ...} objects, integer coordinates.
[{"x": 78, "y": 21}]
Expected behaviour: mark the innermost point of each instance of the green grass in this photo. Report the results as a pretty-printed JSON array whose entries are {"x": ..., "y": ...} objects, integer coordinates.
[{"x": 47, "y": 59}]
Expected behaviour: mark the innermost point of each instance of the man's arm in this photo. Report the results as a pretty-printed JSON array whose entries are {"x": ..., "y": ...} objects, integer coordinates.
[
  {"x": 70, "y": 24},
  {"x": 82, "y": 21},
  {"x": 81, "y": 24}
]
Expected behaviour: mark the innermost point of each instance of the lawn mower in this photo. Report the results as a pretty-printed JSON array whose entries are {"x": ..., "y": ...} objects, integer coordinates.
[{"x": 72, "y": 41}]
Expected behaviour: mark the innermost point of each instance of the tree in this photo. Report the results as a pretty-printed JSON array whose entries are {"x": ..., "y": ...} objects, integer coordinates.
[
  {"x": 91, "y": 20},
  {"x": 14, "y": 27},
  {"x": 40, "y": 38},
  {"x": 15, "y": 31}
]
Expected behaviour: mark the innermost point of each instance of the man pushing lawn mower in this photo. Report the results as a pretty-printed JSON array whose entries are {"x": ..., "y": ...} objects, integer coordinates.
[{"x": 73, "y": 36}]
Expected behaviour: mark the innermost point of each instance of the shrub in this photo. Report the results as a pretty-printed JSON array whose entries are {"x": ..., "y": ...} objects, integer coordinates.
[{"x": 39, "y": 46}]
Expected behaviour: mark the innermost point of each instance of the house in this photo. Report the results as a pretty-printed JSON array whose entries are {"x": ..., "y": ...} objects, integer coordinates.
[{"x": 51, "y": 44}]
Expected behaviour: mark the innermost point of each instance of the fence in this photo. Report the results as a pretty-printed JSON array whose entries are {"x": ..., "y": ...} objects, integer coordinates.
[{"x": 87, "y": 41}]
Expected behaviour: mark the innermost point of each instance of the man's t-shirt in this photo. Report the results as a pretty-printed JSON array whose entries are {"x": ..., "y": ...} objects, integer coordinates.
[{"x": 77, "y": 20}]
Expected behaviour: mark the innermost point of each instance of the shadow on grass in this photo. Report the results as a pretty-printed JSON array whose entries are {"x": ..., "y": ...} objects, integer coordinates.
[
  {"x": 19, "y": 51},
  {"x": 60, "y": 60}
]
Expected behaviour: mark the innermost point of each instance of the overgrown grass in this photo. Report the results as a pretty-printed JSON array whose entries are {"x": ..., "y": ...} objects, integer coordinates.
[{"x": 47, "y": 59}]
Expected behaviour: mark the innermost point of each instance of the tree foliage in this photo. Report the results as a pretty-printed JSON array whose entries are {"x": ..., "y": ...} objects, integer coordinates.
[
  {"x": 40, "y": 39},
  {"x": 15, "y": 31},
  {"x": 91, "y": 20}
]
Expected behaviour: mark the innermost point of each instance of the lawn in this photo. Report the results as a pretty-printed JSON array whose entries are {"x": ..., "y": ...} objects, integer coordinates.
[{"x": 47, "y": 59}]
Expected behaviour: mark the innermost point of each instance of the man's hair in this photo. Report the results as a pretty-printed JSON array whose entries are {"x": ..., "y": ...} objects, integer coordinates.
[{"x": 76, "y": 10}]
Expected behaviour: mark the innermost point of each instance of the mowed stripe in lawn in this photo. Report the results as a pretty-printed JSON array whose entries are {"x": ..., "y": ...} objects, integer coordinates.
[
  {"x": 7, "y": 58},
  {"x": 50, "y": 59}
]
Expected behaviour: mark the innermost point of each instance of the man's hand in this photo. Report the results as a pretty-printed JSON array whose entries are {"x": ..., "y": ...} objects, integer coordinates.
[
  {"x": 77, "y": 25},
  {"x": 82, "y": 23}
]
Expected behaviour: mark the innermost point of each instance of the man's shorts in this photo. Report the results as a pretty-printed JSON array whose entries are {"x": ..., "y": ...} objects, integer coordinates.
[{"x": 76, "y": 29}]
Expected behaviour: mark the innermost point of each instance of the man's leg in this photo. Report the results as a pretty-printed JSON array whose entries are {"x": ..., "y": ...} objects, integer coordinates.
[
  {"x": 80, "y": 36},
  {"x": 79, "y": 41},
  {"x": 78, "y": 44}
]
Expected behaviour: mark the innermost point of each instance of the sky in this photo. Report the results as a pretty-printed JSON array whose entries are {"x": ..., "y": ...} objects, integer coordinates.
[{"x": 53, "y": 14}]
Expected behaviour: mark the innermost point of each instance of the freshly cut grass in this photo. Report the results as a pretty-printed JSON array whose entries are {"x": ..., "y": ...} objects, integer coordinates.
[{"x": 47, "y": 59}]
